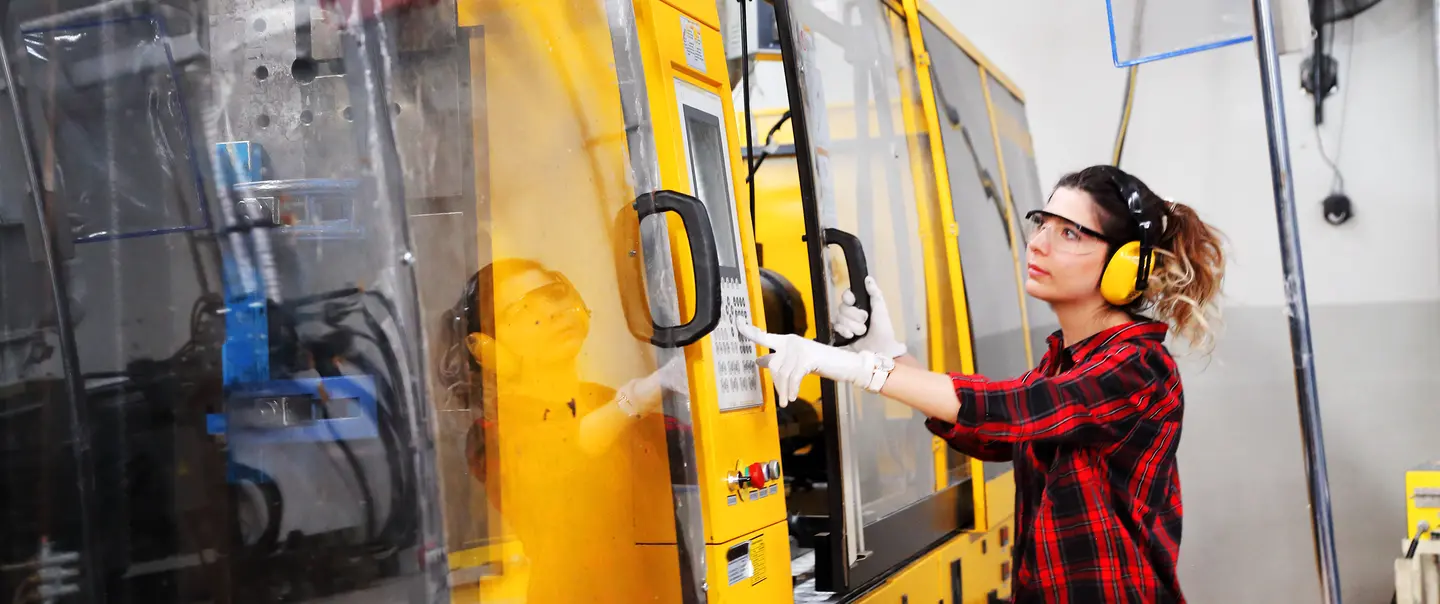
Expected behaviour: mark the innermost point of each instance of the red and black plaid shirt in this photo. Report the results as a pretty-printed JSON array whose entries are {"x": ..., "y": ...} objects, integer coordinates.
[{"x": 1093, "y": 433}]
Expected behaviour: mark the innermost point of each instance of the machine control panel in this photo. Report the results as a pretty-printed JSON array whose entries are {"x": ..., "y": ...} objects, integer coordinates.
[
  {"x": 757, "y": 476},
  {"x": 704, "y": 130}
]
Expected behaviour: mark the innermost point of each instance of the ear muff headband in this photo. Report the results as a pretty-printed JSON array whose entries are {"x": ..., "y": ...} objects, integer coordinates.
[{"x": 1127, "y": 274}]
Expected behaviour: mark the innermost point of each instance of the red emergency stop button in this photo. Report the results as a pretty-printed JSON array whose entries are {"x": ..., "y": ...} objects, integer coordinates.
[{"x": 757, "y": 475}]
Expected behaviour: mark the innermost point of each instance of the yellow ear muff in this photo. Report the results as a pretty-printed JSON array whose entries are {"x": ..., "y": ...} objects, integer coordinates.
[{"x": 1117, "y": 283}]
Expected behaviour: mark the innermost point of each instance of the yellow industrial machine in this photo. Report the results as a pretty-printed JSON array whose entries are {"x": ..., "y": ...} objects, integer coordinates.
[
  {"x": 1417, "y": 568},
  {"x": 461, "y": 329},
  {"x": 661, "y": 477},
  {"x": 1422, "y": 495},
  {"x": 385, "y": 300}
]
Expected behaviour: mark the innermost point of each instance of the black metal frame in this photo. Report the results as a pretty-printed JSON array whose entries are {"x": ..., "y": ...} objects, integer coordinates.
[
  {"x": 831, "y": 569},
  {"x": 900, "y": 538},
  {"x": 915, "y": 530}
]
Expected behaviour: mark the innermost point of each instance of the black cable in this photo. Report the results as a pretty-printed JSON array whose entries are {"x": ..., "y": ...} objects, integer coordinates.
[
  {"x": 394, "y": 438},
  {"x": 393, "y": 529},
  {"x": 323, "y": 351},
  {"x": 1420, "y": 529},
  {"x": 749, "y": 118},
  {"x": 386, "y": 418},
  {"x": 1337, "y": 181},
  {"x": 392, "y": 366},
  {"x": 769, "y": 138}
]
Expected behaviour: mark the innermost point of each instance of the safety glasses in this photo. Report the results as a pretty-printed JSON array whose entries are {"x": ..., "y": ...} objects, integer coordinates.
[
  {"x": 1065, "y": 235},
  {"x": 546, "y": 290}
]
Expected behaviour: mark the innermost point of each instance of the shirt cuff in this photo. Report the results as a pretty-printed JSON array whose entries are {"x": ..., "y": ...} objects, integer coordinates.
[
  {"x": 969, "y": 390},
  {"x": 940, "y": 427}
]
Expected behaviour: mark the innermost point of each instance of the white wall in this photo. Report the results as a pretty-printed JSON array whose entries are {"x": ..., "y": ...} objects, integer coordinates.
[{"x": 1198, "y": 135}]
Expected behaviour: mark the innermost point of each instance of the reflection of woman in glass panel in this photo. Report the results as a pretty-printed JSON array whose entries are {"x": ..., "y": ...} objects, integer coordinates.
[
  {"x": 552, "y": 449},
  {"x": 1093, "y": 430}
]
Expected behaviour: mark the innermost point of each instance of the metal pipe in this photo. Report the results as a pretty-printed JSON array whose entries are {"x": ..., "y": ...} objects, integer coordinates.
[{"x": 1298, "y": 309}]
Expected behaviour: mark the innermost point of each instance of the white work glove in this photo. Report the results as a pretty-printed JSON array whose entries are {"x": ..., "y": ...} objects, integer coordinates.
[
  {"x": 796, "y": 357},
  {"x": 850, "y": 323},
  {"x": 644, "y": 395}
]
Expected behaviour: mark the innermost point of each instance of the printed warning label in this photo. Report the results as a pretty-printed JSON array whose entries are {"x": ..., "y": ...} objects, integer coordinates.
[
  {"x": 737, "y": 563},
  {"x": 694, "y": 44}
]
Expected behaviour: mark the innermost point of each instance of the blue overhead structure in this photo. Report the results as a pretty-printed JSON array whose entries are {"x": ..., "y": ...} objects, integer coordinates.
[{"x": 1173, "y": 29}]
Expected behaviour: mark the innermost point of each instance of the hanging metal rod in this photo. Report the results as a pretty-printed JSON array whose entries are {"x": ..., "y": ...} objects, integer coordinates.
[{"x": 1297, "y": 306}]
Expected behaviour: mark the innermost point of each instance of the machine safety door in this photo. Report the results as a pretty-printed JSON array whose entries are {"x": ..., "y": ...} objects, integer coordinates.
[{"x": 845, "y": 65}]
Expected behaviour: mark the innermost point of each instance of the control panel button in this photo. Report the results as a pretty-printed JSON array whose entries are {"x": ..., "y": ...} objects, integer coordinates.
[
  {"x": 757, "y": 475},
  {"x": 754, "y": 476}
]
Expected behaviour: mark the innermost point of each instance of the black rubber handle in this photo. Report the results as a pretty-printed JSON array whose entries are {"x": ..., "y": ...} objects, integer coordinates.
[
  {"x": 855, "y": 264},
  {"x": 703, "y": 257}
]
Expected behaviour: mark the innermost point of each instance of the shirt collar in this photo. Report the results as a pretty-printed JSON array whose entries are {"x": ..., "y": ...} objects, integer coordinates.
[{"x": 1144, "y": 329}]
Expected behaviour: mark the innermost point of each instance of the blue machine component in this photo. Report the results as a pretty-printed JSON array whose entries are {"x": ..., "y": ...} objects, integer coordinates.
[
  {"x": 310, "y": 208},
  {"x": 246, "y": 353},
  {"x": 260, "y": 411},
  {"x": 300, "y": 410}
]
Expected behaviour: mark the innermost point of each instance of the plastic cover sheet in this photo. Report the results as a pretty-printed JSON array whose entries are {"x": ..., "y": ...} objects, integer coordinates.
[
  {"x": 854, "y": 55},
  {"x": 1142, "y": 31},
  {"x": 339, "y": 312}
]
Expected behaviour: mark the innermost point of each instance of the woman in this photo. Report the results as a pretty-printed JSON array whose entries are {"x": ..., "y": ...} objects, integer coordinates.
[
  {"x": 545, "y": 436},
  {"x": 1094, "y": 428}
]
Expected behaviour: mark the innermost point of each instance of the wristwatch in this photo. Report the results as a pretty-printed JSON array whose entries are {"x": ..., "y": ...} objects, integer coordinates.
[{"x": 883, "y": 366}]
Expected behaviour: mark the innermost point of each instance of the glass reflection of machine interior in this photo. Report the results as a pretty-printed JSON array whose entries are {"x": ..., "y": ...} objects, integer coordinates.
[{"x": 221, "y": 406}]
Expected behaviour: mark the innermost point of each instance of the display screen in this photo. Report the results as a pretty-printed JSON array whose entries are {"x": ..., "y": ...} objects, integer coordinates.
[{"x": 712, "y": 180}]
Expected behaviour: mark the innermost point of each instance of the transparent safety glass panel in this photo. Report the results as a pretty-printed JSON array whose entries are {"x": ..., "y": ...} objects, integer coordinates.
[
  {"x": 40, "y": 466},
  {"x": 865, "y": 180},
  {"x": 563, "y": 398},
  {"x": 340, "y": 287},
  {"x": 987, "y": 247},
  {"x": 1025, "y": 191},
  {"x": 940, "y": 300},
  {"x": 738, "y": 377},
  {"x": 229, "y": 189},
  {"x": 1140, "y": 32}
]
